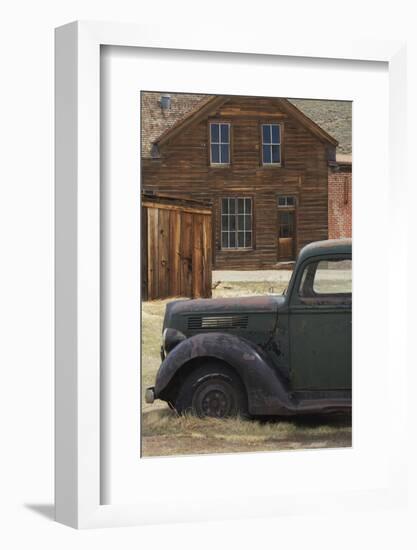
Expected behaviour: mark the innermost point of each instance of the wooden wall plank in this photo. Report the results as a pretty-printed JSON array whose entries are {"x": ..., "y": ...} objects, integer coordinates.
[
  {"x": 153, "y": 254},
  {"x": 207, "y": 256},
  {"x": 144, "y": 253},
  {"x": 163, "y": 253},
  {"x": 186, "y": 253},
  {"x": 175, "y": 254},
  {"x": 197, "y": 266}
]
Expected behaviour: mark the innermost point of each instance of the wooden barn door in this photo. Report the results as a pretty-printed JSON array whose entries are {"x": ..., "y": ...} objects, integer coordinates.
[
  {"x": 177, "y": 257},
  {"x": 287, "y": 219}
]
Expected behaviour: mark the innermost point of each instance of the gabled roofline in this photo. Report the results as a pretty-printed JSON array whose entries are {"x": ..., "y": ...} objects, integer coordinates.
[{"x": 202, "y": 110}]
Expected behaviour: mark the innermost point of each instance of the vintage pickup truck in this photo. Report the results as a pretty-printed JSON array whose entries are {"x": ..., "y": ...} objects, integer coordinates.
[{"x": 265, "y": 355}]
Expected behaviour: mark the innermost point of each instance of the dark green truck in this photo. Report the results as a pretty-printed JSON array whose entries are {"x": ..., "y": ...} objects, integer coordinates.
[{"x": 265, "y": 355}]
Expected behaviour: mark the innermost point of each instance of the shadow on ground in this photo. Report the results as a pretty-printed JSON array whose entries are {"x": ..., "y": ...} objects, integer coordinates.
[{"x": 45, "y": 510}]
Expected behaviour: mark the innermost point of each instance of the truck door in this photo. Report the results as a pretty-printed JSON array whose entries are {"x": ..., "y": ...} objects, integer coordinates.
[{"x": 320, "y": 321}]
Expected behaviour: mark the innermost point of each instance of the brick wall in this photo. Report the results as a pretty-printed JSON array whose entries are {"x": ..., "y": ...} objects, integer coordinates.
[{"x": 340, "y": 203}]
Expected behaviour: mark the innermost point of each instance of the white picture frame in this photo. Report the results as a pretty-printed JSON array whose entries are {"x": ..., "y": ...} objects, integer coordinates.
[{"x": 78, "y": 265}]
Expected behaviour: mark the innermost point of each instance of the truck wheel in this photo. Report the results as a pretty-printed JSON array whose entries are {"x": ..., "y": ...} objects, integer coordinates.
[{"x": 212, "y": 391}]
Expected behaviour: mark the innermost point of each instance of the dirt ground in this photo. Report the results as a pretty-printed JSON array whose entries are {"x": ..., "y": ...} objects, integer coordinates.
[{"x": 165, "y": 433}]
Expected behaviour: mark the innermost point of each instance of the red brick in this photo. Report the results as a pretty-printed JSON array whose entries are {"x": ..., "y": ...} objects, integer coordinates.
[{"x": 340, "y": 204}]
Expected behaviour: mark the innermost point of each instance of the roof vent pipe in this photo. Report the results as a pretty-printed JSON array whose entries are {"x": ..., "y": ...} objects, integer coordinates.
[{"x": 165, "y": 102}]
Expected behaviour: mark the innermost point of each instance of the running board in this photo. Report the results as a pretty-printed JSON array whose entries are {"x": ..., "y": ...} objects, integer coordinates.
[{"x": 317, "y": 406}]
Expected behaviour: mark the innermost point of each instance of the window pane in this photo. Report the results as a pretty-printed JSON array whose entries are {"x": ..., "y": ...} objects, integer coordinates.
[
  {"x": 276, "y": 133},
  {"x": 266, "y": 149},
  {"x": 214, "y": 133},
  {"x": 284, "y": 217},
  {"x": 224, "y": 133},
  {"x": 286, "y": 201},
  {"x": 215, "y": 154},
  {"x": 236, "y": 222},
  {"x": 225, "y": 154},
  {"x": 276, "y": 154},
  {"x": 266, "y": 133},
  {"x": 333, "y": 277}
]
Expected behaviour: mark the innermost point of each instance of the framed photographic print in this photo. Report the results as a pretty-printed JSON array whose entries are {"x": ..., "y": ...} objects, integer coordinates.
[
  {"x": 213, "y": 344},
  {"x": 234, "y": 189}
]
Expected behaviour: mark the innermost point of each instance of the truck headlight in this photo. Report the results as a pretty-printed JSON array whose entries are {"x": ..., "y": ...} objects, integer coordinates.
[{"x": 171, "y": 338}]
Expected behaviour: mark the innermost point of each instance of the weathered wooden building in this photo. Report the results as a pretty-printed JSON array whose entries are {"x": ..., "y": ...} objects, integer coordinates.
[{"x": 262, "y": 162}]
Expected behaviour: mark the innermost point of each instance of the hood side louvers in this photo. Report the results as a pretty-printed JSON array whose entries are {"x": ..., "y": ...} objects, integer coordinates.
[{"x": 204, "y": 322}]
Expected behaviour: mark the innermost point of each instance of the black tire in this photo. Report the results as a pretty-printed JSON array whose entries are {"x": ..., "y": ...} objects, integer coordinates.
[{"x": 212, "y": 391}]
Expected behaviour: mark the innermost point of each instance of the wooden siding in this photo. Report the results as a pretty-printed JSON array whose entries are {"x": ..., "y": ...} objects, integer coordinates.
[
  {"x": 176, "y": 249},
  {"x": 184, "y": 170}
]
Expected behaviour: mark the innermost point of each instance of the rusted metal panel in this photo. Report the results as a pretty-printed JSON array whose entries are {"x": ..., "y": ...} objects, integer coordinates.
[{"x": 268, "y": 392}]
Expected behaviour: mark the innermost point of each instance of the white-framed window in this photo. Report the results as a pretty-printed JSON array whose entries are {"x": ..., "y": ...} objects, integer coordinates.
[
  {"x": 219, "y": 143},
  {"x": 271, "y": 144},
  {"x": 286, "y": 200},
  {"x": 236, "y": 230}
]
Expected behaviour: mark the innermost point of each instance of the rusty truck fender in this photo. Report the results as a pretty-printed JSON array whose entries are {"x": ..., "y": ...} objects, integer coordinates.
[{"x": 266, "y": 392}]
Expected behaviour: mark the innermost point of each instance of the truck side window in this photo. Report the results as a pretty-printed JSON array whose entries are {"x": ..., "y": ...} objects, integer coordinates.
[{"x": 327, "y": 280}]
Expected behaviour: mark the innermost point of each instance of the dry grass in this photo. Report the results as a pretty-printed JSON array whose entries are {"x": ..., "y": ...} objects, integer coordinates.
[
  {"x": 159, "y": 422},
  {"x": 166, "y": 433},
  {"x": 152, "y": 319}
]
